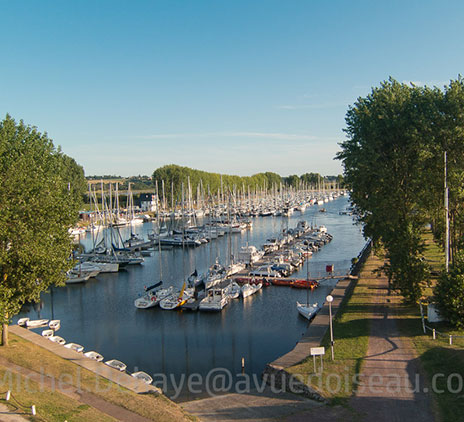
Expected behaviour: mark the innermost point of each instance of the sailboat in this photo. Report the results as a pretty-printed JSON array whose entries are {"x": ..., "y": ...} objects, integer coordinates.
[
  {"x": 308, "y": 311},
  {"x": 153, "y": 296},
  {"x": 174, "y": 301}
]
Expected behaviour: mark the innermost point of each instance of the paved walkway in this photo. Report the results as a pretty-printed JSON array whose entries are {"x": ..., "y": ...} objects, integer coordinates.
[
  {"x": 7, "y": 415},
  {"x": 391, "y": 387}
]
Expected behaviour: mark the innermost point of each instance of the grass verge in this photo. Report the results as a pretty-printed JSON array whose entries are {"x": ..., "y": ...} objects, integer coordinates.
[
  {"x": 351, "y": 334},
  {"x": 28, "y": 355}
]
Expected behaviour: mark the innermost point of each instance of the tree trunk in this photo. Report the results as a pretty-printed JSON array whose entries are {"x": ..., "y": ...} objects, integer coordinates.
[{"x": 4, "y": 334}]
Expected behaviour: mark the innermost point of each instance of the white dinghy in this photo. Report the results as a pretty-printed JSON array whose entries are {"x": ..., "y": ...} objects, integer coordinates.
[
  {"x": 22, "y": 321},
  {"x": 54, "y": 324},
  {"x": 57, "y": 339},
  {"x": 74, "y": 346},
  {"x": 36, "y": 323},
  {"x": 143, "y": 376},
  {"x": 116, "y": 364},
  {"x": 48, "y": 333},
  {"x": 94, "y": 355}
]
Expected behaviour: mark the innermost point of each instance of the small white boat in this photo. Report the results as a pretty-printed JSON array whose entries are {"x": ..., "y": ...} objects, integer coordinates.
[
  {"x": 23, "y": 322},
  {"x": 116, "y": 364},
  {"x": 94, "y": 355},
  {"x": 48, "y": 333},
  {"x": 36, "y": 323},
  {"x": 143, "y": 376},
  {"x": 74, "y": 346},
  {"x": 77, "y": 278},
  {"x": 57, "y": 339},
  {"x": 249, "y": 289},
  {"x": 54, "y": 324},
  {"x": 308, "y": 311},
  {"x": 153, "y": 297},
  {"x": 232, "y": 290}
]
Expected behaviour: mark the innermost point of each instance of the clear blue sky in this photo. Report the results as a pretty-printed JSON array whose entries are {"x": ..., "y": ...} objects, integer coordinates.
[{"x": 232, "y": 86}]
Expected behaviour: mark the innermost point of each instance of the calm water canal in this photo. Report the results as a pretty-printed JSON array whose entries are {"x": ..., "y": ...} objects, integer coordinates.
[{"x": 101, "y": 315}]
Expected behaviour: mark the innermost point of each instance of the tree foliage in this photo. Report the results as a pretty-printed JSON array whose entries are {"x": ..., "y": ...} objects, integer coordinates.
[
  {"x": 40, "y": 194},
  {"x": 393, "y": 160},
  {"x": 449, "y": 293}
]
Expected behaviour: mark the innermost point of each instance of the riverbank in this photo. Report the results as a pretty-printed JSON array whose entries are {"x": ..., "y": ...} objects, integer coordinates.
[{"x": 62, "y": 390}]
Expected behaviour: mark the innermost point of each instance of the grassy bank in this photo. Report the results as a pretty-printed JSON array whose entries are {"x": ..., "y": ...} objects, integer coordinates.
[
  {"x": 351, "y": 334},
  {"x": 28, "y": 355}
]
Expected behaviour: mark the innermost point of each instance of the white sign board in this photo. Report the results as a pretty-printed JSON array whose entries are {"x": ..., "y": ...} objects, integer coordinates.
[{"x": 317, "y": 351}]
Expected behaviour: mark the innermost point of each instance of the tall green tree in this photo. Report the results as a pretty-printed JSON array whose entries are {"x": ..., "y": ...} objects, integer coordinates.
[
  {"x": 389, "y": 136},
  {"x": 40, "y": 194}
]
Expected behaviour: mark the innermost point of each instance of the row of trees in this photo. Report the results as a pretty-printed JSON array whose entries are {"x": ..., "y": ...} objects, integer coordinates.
[
  {"x": 40, "y": 196},
  {"x": 174, "y": 176},
  {"x": 393, "y": 162}
]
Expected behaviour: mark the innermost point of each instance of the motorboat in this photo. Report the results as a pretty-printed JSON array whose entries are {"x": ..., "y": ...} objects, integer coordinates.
[
  {"x": 116, "y": 364},
  {"x": 94, "y": 355},
  {"x": 216, "y": 299},
  {"x": 308, "y": 311},
  {"x": 249, "y": 254},
  {"x": 74, "y": 346},
  {"x": 90, "y": 268},
  {"x": 143, "y": 376},
  {"x": 249, "y": 289},
  {"x": 232, "y": 290}
]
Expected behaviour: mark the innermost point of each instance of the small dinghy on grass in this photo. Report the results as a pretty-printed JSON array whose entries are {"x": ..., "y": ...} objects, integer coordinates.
[
  {"x": 48, "y": 333},
  {"x": 57, "y": 339},
  {"x": 116, "y": 364},
  {"x": 36, "y": 323},
  {"x": 143, "y": 376},
  {"x": 22, "y": 321},
  {"x": 94, "y": 355},
  {"x": 54, "y": 324},
  {"x": 74, "y": 346}
]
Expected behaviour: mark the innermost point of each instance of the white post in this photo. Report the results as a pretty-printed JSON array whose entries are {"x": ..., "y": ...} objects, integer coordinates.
[
  {"x": 8, "y": 394},
  {"x": 329, "y": 299},
  {"x": 33, "y": 410}
]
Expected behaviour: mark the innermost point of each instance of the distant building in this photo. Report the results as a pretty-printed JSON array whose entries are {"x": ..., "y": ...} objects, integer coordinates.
[{"x": 147, "y": 202}]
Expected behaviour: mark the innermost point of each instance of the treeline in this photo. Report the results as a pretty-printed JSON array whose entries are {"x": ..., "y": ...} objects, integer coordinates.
[
  {"x": 136, "y": 182},
  {"x": 394, "y": 165},
  {"x": 174, "y": 176}
]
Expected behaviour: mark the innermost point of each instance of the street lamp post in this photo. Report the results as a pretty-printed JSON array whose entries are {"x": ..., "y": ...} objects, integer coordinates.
[{"x": 330, "y": 299}]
